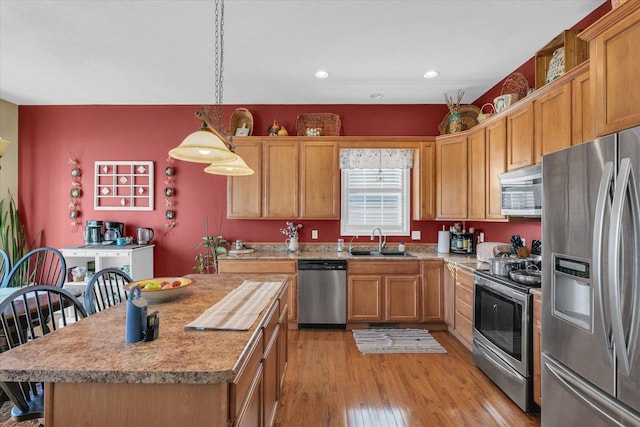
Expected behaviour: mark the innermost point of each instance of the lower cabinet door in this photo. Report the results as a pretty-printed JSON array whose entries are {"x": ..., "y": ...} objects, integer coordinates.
[
  {"x": 270, "y": 378},
  {"x": 252, "y": 412}
]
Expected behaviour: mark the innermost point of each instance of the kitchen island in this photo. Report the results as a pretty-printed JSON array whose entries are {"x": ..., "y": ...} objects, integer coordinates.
[{"x": 184, "y": 377}]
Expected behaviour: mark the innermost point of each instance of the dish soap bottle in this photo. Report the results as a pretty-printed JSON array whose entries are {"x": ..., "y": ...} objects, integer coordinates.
[{"x": 401, "y": 247}]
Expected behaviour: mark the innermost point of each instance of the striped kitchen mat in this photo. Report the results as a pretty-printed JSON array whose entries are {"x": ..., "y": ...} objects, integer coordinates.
[
  {"x": 239, "y": 309},
  {"x": 372, "y": 341}
]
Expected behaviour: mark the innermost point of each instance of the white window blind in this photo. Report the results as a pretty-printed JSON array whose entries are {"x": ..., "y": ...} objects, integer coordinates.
[{"x": 375, "y": 198}]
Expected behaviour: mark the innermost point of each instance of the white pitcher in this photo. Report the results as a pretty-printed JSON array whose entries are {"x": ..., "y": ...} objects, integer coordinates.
[{"x": 292, "y": 244}]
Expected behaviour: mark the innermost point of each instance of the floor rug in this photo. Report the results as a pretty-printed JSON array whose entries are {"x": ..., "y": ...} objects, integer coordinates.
[{"x": 372, "y": 341}]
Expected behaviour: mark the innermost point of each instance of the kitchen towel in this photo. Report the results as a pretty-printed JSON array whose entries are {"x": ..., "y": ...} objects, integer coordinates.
[
  {"x": 374, "y": 341},
  {"x": 239, "y": 309}
]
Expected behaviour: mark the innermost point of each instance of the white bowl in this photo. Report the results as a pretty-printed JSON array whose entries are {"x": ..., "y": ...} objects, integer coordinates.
[{"x": 159, "y": 295}]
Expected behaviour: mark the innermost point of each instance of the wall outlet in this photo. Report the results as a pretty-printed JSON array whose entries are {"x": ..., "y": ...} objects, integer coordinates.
[
  {"x": 314, "y": 234},
  {"x": 415, "y": 235}
]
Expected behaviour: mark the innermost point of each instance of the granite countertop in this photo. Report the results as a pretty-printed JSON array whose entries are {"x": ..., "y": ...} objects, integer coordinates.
[
  {"x": 322, "y": 251},
  {"x": 94, "y": 349}
]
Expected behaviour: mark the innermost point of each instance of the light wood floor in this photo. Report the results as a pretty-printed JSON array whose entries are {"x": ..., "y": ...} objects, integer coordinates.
[{"x": 330, "y": 383}]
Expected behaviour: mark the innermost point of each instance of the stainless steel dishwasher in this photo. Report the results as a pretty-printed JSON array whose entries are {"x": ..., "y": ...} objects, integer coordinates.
[{"x": 322, "y": 294}]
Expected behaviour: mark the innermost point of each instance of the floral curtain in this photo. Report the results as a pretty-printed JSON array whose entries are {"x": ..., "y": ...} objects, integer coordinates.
[{"x": 376, "y": 158}]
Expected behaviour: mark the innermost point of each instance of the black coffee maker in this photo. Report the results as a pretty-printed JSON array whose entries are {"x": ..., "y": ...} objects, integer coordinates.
[
  {"x": 93, "y": 234},
  {"x": 113, "y": 230}
]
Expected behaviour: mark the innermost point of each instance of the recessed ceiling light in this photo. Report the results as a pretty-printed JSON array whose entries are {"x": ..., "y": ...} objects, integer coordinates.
[
  {"x": 322, "y": 74},
  {"x": 431, "y": 74},
  {"x": 376, "y": 95}
]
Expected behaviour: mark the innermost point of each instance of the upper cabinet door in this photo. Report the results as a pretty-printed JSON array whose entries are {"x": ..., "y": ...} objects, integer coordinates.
[
  {"x": 477, "y": 170},
  {"x": 244, "y": 193},
  {"x": 424, "y": 182},
  {"x": 520, "y": 137},
  {"x": 451, "y": 177},
  {"x": 280, "y": 197},
  {"x": 553, "y": 121},
  {"x": 496, "y": 152},
  {"x": 613, "y": 43},
  {"x": 583, "y": 127},
  {"x": 320, "y": 180}
]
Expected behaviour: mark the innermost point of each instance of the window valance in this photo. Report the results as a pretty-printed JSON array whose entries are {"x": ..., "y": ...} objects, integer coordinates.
[{"x": 376, "y": 158}]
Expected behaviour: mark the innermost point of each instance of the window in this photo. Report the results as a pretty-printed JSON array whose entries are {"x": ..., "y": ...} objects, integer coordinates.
[{"x": 375, "y": 198}]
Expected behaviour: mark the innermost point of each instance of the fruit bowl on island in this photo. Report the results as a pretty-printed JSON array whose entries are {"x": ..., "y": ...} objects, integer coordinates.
[{"x": 159, "y": 289}]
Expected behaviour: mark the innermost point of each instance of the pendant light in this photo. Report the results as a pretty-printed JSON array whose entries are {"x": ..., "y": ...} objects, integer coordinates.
[{"x": 210, "y": 144}]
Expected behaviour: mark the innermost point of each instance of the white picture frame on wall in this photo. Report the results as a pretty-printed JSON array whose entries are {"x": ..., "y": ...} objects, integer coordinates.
[{"x": 123, "y": 186}]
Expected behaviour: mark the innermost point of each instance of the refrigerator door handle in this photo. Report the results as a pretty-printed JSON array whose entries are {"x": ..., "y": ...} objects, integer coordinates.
[
  {"x": 604, "y": 405},
  {"x": 598, "y": 237},
  {"x": 625, "y": 184}
]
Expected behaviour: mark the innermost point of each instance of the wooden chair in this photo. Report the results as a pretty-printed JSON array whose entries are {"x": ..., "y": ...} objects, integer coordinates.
[
  {"x": 42, "y": 266},
  {"x": 27, "y": 314},
  {"x": 105, "y": 289}
]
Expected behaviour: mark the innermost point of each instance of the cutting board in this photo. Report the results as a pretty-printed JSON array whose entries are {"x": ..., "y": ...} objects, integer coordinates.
[{"x": 240, "y": 251}]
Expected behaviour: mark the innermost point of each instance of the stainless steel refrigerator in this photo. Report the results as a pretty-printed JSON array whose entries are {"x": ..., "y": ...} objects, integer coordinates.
[{"x": 590, "y": 288}]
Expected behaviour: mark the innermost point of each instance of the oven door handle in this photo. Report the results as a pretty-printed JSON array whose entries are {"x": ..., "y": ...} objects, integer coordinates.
[{"x": 496, "y": 361}]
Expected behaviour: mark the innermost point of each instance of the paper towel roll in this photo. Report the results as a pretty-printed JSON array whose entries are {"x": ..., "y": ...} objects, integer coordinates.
[{"x": 443, "y": 242}]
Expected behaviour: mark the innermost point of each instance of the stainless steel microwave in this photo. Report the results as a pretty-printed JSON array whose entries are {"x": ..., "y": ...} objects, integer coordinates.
[{"x": 521, "y": 192}]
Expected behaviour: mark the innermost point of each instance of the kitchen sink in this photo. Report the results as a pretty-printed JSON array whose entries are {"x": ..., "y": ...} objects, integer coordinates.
[
  {"x": 365, "y": 253},
  {"x": 383, "y": 253},
  {"x": 396, "y": 253}
]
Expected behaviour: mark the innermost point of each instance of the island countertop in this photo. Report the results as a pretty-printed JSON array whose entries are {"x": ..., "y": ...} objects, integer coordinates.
[{"x": 94, "y": 349}]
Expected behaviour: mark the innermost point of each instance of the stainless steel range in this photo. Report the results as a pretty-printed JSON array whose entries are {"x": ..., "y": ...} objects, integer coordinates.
[{"x": 502, "y": 335}]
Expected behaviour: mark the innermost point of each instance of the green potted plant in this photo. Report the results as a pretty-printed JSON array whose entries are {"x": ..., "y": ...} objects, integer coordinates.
[
  {"x": 207, "y": 260},
  {"x": 13, "y": 235}
]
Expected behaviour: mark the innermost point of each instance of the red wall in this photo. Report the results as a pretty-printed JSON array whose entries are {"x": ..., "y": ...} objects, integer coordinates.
[{"x": 51, "y": 135}]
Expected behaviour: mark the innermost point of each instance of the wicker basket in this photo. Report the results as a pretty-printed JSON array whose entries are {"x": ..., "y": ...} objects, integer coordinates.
[
  {"x": 482, "y": 116},
  {"x": 468, "y": 115},
  {"x": 318, "y": 124},
  {"x": 241, "y": 118},
  {"x": 515, "y": 83}
]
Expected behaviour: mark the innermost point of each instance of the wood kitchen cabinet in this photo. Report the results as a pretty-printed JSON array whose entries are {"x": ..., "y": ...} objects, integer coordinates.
[
  {"x": 553, "y": 121},
  {"x": 432, "y": 291},
  {"x": 320, "y": 180},
  {"x": 288, "y": 267},
  {"x": 449, "y": 294},
  {"x": 496, "y": 152},
  {"x": 613, "y": 44},
  {"x": 582, "y": 112},
  {"x": 294, "y": 178},
  {"x": 451, "y": 177},
  {"x": 537, "y": 350},
  {"x": 520, "y": 141},
  {"x": 424, "y": 182},
  {"x": 281, "y": 176},
  {"x": 244, "y": 193},
  {"x": 383, "y": 291},
  {"x": 477, "y": 171},
  {"x": 463, "y": 321}
]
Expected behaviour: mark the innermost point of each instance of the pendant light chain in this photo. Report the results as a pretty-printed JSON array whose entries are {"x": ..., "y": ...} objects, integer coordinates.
[{"x": 219, "y": 57}]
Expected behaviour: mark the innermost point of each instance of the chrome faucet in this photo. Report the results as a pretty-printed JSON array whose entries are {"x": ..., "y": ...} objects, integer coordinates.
[
  {"x": 355, "y": 236},
  {"x": 382, "y": 241}
]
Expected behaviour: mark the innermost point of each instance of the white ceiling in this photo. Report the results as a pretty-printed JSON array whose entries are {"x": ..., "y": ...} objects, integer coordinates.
[{"x": 61, "y": 52}]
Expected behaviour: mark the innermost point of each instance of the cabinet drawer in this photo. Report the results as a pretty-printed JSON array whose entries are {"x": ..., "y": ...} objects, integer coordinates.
[
  {"x": 386, "y": 267},
  {"x": 464, "y": 328},
  {"x": 270, "y": 325},
  {"x": 464, "y": 309},
  {"x": 464, "y": 294},
  {"x": 239, "y": 388},
  {"x": 255, "y": 266},
  {"x": 465, "y": 278}
]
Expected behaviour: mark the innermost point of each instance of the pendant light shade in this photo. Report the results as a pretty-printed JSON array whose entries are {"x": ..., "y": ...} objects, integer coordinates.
[
  {"x": 203, "y": 146},
  {"x": 236, "y": 168}
]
